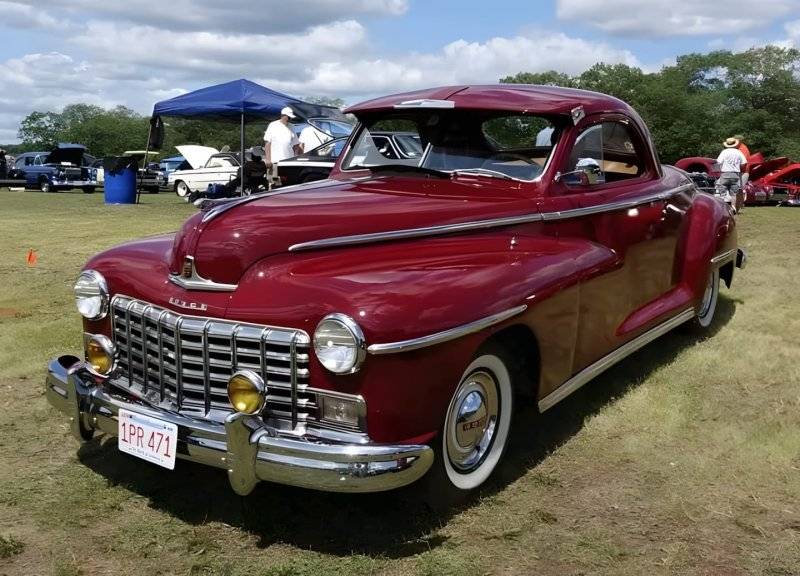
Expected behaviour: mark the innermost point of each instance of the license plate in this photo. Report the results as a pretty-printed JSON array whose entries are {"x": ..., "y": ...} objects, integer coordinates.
[{"x": 148, "y": 438}]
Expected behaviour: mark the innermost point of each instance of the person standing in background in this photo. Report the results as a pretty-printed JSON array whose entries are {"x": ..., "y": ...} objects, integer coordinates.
[
  {"x": 311, "y": 137},
  {"x": 742, "y": 147},
  {"x": 3, "y": 165},
  {"x": 280, "y": 142},
  {"x": 731, "y": 161}
]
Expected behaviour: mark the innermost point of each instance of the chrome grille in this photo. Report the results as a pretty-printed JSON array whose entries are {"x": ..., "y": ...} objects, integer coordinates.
[{"x": 186, "y": 361}]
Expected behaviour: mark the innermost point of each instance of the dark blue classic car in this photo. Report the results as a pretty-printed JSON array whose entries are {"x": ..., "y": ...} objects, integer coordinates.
[{"x": 65, "y": 166}]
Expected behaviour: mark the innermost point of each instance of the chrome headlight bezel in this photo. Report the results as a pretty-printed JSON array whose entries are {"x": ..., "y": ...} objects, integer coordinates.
[
  {"x": 94, "y": 286},
  {"x": 357, "y": 345}
]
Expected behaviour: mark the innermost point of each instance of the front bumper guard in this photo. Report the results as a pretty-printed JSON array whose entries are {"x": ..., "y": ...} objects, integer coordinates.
[{"x": 250, "y": 451}]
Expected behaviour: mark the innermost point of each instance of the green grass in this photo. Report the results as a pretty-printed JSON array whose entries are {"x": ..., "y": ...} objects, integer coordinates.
[{"x": 684, "y": 459}]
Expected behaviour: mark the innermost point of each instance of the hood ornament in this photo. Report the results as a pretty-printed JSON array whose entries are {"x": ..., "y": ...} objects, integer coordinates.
[{"x": 189, "y": 279}]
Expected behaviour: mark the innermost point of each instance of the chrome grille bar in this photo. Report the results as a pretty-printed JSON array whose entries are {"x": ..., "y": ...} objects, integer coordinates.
[{"x": 186, "y": 361}]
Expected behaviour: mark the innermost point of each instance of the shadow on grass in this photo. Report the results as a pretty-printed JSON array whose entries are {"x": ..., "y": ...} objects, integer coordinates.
[{"x": 394, "y": 524}]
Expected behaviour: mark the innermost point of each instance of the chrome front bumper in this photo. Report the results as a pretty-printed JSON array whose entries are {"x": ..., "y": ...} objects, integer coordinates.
[{"x": 248, "y": 450}]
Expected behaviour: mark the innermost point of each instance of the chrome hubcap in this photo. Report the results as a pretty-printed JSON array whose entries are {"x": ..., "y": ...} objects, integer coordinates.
[{"x": 471, "y": 421}]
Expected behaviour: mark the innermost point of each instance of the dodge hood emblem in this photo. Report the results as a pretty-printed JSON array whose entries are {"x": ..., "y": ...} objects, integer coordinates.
[{"x": 200, "y": 307}]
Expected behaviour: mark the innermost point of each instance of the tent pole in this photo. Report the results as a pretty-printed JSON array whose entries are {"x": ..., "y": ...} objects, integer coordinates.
[
  {"x": 146, "y": 154},
  {"x": 241, "y": 152}
]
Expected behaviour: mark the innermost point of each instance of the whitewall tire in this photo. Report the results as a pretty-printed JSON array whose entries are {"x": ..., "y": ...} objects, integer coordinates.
[
  {"x": 181, "y": 189},
  {"x": 708, "y": 304}
]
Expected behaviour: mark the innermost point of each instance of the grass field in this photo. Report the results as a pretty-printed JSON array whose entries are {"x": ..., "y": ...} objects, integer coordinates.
[{"x": 684, "y": 459}]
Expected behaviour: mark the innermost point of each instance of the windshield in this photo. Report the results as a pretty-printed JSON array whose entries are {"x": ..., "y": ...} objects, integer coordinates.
[
  {"x": 335, "y": 128},
  {"x": 503, "y": 145}
]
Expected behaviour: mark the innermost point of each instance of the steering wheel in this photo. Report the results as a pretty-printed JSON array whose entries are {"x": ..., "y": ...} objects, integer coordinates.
[{"x": 508, "y": 156}]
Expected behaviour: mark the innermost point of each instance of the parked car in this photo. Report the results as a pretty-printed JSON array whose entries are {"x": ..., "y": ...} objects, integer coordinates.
[
  {"x": 208, "y": 166},
  {"x": 381, "y": 327},
  {"x": 65, "y": 166},
  {"x": 318, "y": 163},
  {"x": 769, "y": 181},
  {"x": 169, "y": 165}
]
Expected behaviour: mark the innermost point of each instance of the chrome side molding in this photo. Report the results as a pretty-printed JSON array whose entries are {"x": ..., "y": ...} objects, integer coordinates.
[
  {"x": 445, "y": 335},
  {"x": 428, "y": 231},
  {"x": 606, "y": 362}
]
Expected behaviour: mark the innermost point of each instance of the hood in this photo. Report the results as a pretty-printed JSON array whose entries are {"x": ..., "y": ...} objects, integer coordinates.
[
  {"x": 197, "y": 156},
  {"x": 228, "y": 243},
  {"x": 72, "y": 153},
  {"x": 762, "y": 169}
]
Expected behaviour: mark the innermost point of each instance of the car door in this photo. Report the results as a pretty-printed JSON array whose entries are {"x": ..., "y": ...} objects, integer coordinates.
[{"x": 617, "y": 190}]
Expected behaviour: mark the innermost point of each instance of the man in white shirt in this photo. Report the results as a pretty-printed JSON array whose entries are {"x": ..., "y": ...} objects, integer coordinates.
[
  {"x": 280, "y": 141},
  {"x": 311, "y": 137},
  {"x": 731, "y": 161}
]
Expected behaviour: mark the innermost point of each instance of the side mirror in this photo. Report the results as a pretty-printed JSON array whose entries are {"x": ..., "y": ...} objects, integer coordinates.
[{"x": 582, "y": 176}]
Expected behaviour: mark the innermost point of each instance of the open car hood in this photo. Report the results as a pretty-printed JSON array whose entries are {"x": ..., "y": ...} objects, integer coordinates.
[
  {"x": 195, "y": 155},
  {"x": 71, "y": 153}
]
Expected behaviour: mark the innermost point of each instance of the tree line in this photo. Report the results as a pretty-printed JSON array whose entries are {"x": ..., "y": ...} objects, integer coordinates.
[
  {"x": 695, "y": 104},
  {"x": 690, "y": 108}
]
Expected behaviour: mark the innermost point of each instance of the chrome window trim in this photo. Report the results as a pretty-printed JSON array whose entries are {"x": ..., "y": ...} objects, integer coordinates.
[
  {"x": 604, "y": 363},
  {"x": 445, "y": 335},
  {"x": 428, "y": 231},
  {"x": 197, "y": 282}
]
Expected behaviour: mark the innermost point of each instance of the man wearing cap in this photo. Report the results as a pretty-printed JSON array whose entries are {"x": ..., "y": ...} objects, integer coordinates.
[
  {"x": 280, "y": 141},
  {"x": 731, "y": 161}
]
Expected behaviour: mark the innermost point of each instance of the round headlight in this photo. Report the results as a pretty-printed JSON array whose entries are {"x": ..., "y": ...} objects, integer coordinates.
[
  {"x": 339, "y": 344},
  {"x": 91, "y": 295},
  {"x": 100, "y": 355},
  {"x": 247, "y": 392}
]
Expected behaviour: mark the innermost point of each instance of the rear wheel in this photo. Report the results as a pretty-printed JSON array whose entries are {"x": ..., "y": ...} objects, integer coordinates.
[
  {"x": 708, "y": 305},
  {"x": 152, "y": 190},
  {"x": 88, "y": 190},
  {"x": 181, "y": 189},
  {"x": 475, "y": 431}
]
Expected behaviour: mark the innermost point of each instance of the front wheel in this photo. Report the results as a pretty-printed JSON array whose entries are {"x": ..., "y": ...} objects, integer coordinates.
[
  {"x": 181, "y": 189},
  {"x": 88, "y": 190},
  {"x": 475, "y": 431},
  {"x": 44, "y": 186}
]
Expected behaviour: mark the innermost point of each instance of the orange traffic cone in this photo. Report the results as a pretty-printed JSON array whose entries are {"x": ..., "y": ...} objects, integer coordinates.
[{"x": 32, "y": 257}]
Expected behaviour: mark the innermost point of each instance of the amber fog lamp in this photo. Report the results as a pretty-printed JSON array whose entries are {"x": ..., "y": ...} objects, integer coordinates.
[
  {"x": 100, "y": 355},
  {"x": 91, "y": 295},
  {"x": 247, "y": 392}
]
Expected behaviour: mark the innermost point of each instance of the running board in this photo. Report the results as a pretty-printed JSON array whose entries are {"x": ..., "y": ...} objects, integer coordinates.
[{"x": 606, "y": 362}]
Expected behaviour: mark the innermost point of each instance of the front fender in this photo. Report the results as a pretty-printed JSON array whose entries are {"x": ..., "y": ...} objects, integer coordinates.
[{"x": 405, "y": 290}]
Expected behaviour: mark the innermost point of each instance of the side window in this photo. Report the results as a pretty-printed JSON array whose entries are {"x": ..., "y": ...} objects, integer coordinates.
[
  {"x": 384, "y": 147},
  {"x": 606, "y": 152}
]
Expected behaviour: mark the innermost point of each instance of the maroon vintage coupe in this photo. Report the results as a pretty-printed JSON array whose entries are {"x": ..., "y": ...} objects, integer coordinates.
[{"x": 359, "y": 333}]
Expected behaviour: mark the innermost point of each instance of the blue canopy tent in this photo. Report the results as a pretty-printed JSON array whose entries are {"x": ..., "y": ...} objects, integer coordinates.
[{"x": 239, "y": 100}]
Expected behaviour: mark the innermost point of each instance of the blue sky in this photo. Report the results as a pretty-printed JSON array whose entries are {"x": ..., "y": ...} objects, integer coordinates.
[{"x": 57, "y": 52}]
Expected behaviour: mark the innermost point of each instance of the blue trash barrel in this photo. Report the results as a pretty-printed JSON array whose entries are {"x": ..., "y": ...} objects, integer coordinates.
[{"x": 120, "y": 180}]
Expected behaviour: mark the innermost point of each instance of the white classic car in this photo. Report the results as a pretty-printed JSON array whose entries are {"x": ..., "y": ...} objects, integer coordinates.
[{"x": 209, "y": 166}]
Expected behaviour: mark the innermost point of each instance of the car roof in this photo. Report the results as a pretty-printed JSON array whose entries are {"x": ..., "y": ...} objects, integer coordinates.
[{"x": 530, "y": 98}]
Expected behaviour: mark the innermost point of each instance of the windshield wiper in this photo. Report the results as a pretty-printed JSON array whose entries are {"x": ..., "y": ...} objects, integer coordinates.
[
  {"x": 401, "y": 168},
  {"x": 482, "y": 172}
]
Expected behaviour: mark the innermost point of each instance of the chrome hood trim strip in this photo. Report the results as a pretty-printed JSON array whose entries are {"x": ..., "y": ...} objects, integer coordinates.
[
  {"x": 429, "y": 231},
  {"x": 445, "y": 335},
  {"x": 197, "y": 282}
]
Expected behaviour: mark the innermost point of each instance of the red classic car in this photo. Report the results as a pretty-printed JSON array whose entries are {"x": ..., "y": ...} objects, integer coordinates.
[
  {"x": 774, "y": 181},
  {"x": 359, "y": 333}
]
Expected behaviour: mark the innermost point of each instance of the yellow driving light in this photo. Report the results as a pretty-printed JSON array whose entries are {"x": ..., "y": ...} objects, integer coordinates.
[
  {"x": 100, "y": 354},
  {"x": 247, "y": 392}
]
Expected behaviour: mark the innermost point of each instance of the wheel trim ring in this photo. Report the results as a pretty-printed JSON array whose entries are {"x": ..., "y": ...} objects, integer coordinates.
[
  {"x": 466, "y": 459},
  {"x": 708, "y": 297}
]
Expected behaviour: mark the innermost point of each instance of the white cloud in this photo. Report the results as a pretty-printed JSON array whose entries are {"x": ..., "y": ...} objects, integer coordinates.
[
  {"x": 677, "y": 17},
  {"x": 262, "y": 16},
  {"x": 18, "y": 15}
]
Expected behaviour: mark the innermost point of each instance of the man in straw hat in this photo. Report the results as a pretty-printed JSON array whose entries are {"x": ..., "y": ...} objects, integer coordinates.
[{"x": 731, "y": 162}]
